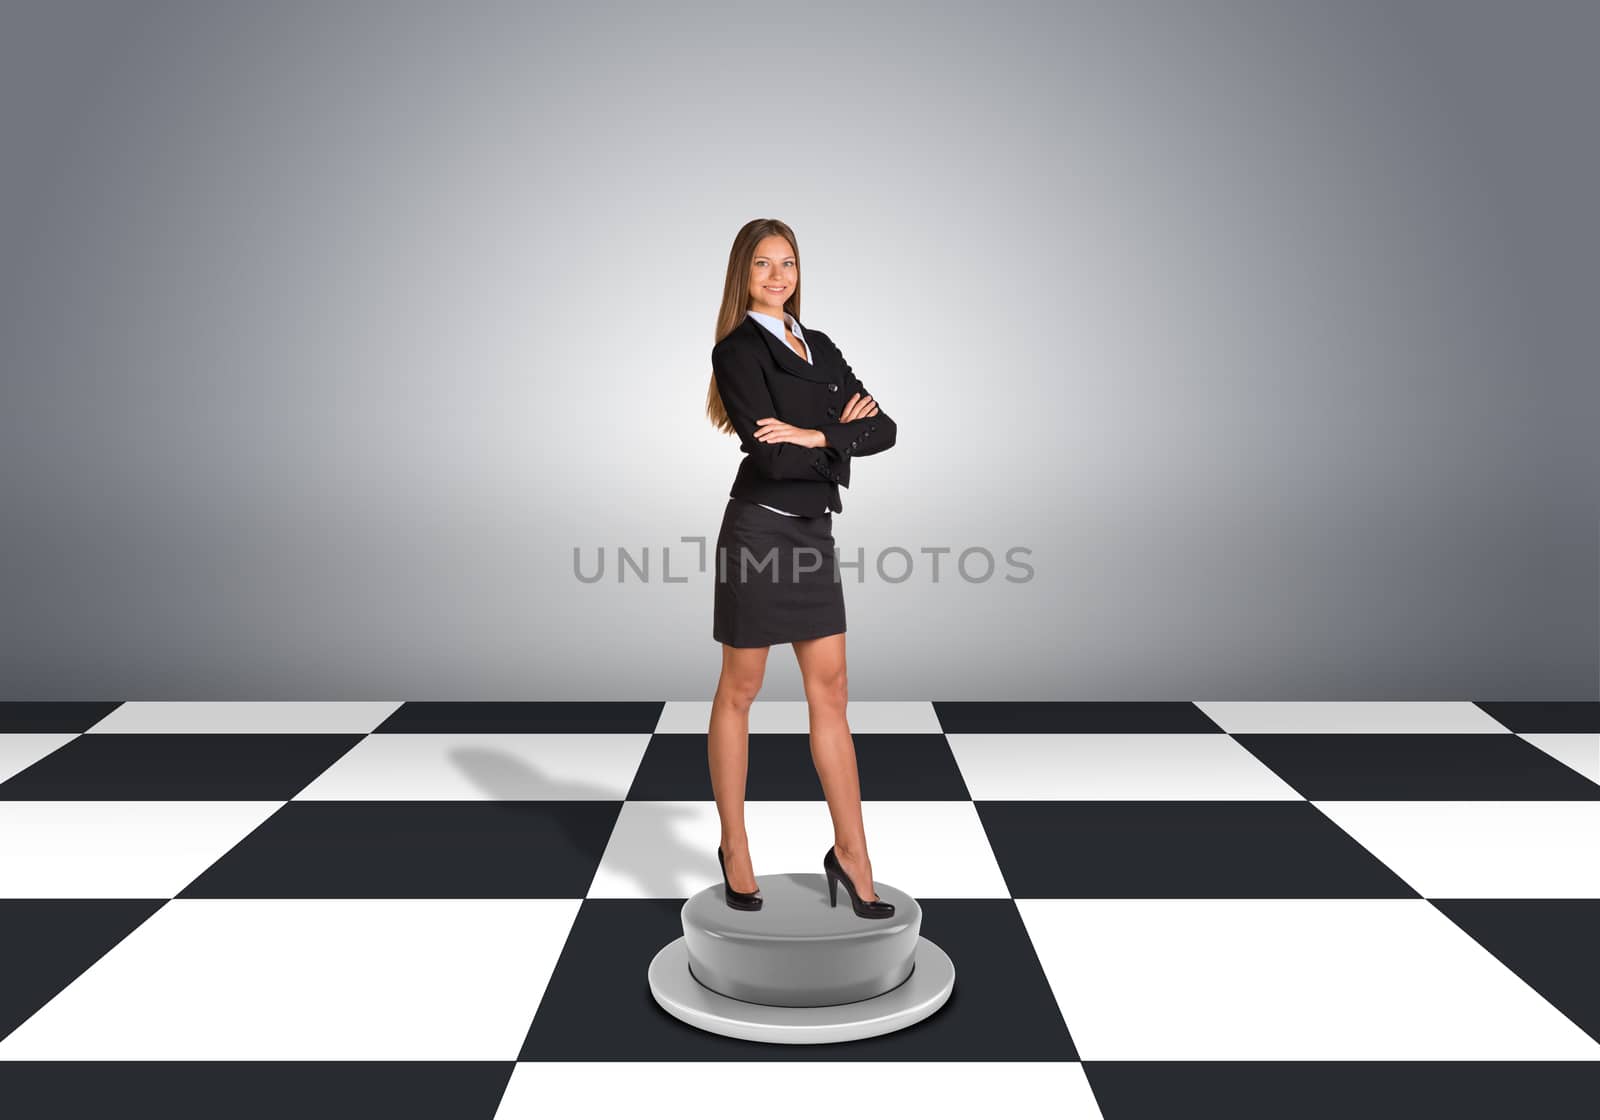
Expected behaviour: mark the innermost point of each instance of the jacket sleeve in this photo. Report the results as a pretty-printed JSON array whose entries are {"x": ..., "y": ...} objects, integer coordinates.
[
  {"x": 744, "y": 395},
  {"x": 866, "y": 435}
]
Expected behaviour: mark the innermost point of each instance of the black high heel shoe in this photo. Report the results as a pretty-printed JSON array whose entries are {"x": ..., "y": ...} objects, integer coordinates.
[
  {"x": 739, "y": 900},
  {"x": 877, "y": 908}
]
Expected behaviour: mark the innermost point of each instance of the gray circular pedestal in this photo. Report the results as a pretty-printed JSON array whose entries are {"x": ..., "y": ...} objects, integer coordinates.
[{"x": 799, "y": 970}]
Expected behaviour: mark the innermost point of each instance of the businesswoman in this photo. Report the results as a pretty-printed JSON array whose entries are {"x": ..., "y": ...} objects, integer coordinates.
[{"x": 801, "y": 416}]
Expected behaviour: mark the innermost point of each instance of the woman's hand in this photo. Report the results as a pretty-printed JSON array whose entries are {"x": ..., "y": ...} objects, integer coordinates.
[
  {"x": 770, "y": 429},
  {"x": 858, "y": 407}
]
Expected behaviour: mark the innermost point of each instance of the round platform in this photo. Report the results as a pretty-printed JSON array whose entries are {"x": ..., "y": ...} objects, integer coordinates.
[
  {"x": 932, "y": 979},
  {"x": 797, "y": 950},
  {"x": 800, "y": 970}
]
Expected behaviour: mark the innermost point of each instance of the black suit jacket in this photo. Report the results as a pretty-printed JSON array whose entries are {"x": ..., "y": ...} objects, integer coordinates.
[{"x": 760, "y": 375}]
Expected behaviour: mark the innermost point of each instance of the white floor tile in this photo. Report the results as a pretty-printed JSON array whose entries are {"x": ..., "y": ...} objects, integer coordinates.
[
  {"x": 668, "y": 849},
  {"x": 681, "y": 1091},
  {"x": 769, "y": 717},
  {"x": 1575, "y": 749},
  {"x": 117, "y": 849},
  {"x": 1129, "y": 767},
  {"x": 22, "y": 750},
  {"x": 1285, "y": 979},
  {"x": 1481, "y": 849},
  {"x": 1350, "y": 717},
  {"x": 249, "y": 717},
  {"x": 310, "y": 979},
  {"x": 482, "y": 767}
]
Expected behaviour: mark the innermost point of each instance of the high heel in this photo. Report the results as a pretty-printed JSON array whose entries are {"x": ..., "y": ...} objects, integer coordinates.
[
  {"x": 877, "y": 908},
  {"x": 739, "y": 900}
]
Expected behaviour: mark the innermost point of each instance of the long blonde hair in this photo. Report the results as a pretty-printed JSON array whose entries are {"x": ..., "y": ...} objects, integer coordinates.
[{"x": 736, "y": 296}]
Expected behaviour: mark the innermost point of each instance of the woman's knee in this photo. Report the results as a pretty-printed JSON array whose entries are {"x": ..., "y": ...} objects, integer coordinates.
[
  {"x": 828, "y": 688},
  {"x": 738, "y": 695},
  {"x": 739, "y": 689}
]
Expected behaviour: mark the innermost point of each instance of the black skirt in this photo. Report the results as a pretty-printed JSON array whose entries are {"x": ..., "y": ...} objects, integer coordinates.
[{"x": 777, "y": 577}]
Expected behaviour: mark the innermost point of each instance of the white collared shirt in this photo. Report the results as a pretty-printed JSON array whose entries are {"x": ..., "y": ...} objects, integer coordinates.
[{"x": 776, "y": 325}]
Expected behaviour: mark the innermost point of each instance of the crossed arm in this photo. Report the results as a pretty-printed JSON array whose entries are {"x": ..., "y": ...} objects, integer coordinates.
[
  {"x": 782, "y": 450},
  {"x": 863, "y": 428},
  {"x": 804, "y": 454}
]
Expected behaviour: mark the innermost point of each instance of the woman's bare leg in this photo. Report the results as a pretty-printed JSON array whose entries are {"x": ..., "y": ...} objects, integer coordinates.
[
  {"x": 728, "y": 750},
  {"x": 833, "y": 752}
]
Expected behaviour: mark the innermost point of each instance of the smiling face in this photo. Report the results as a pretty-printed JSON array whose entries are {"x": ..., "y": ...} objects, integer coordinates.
[{"x": 773, "y": 275}]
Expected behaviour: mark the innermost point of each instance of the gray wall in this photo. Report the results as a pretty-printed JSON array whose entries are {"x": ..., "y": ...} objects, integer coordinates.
[{"x": 330, "y": 331}]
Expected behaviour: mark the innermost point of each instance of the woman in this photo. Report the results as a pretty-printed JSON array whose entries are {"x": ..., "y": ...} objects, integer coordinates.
[{"x": 801, "y": 416}]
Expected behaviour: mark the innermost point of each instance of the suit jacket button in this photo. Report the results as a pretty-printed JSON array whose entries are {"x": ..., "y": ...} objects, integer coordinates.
[
  {"x": 833, "y": 412},
  {"x": 832, "y": 388}
]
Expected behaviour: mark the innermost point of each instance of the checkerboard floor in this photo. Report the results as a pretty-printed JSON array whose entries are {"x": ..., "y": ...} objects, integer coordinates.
[{"x": 448, "y": 909}]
